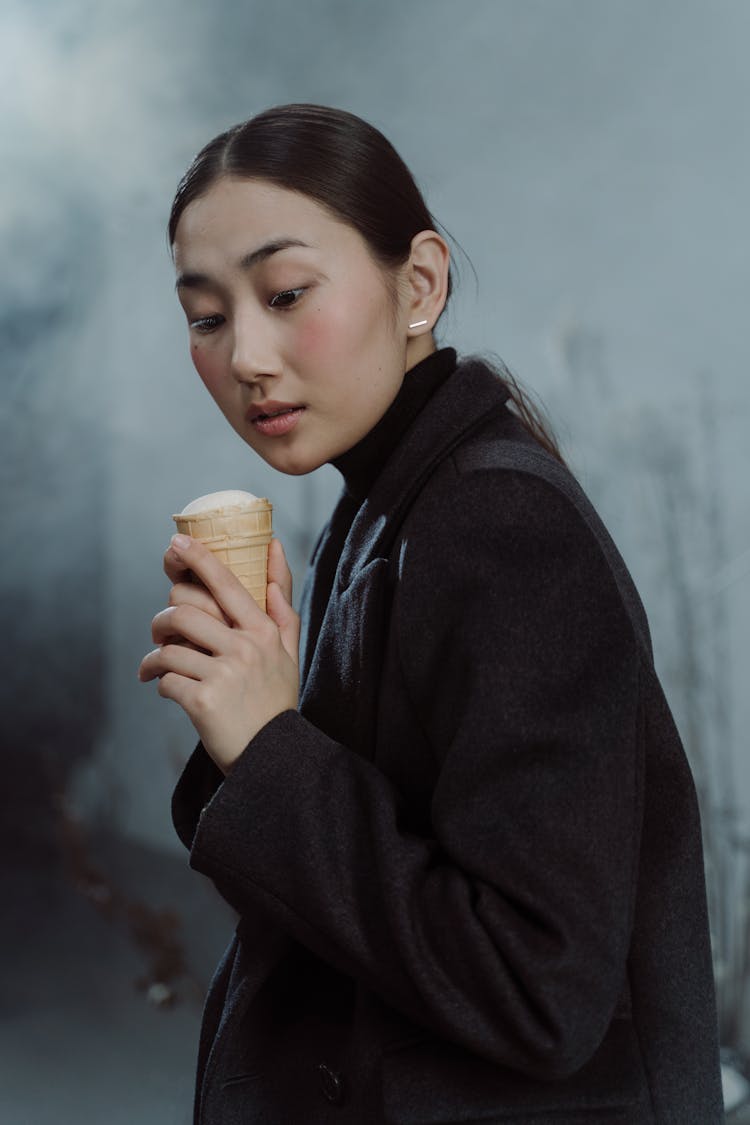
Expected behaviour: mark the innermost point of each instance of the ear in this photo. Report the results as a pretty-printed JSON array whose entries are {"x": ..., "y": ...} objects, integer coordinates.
[{"x": 427, "y": 280}]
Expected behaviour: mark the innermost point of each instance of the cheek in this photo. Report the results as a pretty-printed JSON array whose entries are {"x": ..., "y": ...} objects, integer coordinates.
[
  {"x": 319, "y": 334},
  {"x": 206, "y": 363},
  {"x": 343, "y": 329}
]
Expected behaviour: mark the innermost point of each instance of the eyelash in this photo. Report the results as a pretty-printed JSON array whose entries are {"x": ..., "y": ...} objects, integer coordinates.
[
  {"x": 296, "y": 293},
  {"x": 207, "y": 324}
]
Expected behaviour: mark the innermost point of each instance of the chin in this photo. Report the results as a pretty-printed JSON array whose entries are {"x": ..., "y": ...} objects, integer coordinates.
[
  {"x": 299, "y": 471},
  {"x": 295, "y": 465}
]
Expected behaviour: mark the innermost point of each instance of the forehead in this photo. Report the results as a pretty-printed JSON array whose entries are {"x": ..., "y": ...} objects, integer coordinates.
[{"x": 235, "y": 216}]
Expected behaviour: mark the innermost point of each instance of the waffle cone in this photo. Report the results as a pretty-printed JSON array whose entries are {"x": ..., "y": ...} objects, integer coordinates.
[{"x": 239, "y": 539}]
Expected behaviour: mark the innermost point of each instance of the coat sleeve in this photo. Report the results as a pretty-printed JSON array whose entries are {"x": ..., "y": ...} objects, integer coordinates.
[{"x": 506, "y": 929}]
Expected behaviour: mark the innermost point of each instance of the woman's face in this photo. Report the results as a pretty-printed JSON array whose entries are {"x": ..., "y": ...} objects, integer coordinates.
[{"x": 292, "y": 327}]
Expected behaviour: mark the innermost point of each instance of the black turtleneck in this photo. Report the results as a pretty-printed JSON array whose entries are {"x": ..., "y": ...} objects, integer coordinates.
[{"x": 361, "y": 465}]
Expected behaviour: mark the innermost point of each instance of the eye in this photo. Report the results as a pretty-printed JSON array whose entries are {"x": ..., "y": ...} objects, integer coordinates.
[
  {"x": 205, "y": 324},
  {"x": 286, "y": 298}
]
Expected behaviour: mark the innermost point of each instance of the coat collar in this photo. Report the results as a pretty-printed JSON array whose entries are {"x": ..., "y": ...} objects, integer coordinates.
[{"x": 459, "y": 407}]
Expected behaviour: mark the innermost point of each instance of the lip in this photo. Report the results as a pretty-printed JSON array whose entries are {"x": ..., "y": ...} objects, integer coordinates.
[
  {"x": 270, "y": 406},
  {"x": 274, "y": 419}
]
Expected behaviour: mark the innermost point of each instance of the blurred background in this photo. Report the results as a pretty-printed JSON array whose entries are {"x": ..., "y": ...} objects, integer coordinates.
[{"x": 591, "y": 159}]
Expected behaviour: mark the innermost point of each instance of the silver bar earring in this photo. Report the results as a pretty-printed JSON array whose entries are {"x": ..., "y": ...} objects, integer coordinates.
[{"x": 417, "y": 323}]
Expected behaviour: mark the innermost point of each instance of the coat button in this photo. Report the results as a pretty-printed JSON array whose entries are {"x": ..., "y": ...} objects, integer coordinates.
[{"x": 331, "y": 1083}]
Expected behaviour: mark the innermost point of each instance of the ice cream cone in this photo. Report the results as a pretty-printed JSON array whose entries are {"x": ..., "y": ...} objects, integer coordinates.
[{"x": 236, "y": 527}]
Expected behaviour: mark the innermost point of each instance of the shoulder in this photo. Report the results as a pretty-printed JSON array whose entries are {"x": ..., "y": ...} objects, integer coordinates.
[
  {"x": 499, "y": 475},
  {"x": 502, "y": 507}
]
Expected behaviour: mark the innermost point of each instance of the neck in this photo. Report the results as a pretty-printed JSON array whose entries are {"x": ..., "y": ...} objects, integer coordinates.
[{"x": 418, "y": 348}]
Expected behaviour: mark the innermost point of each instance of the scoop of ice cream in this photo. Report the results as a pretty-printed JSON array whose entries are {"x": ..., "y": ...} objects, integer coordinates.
[{"x": 230, "y": 500}]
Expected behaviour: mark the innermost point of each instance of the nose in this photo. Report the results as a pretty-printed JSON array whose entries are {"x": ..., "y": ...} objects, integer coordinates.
[{"x": 254, "y": 353}]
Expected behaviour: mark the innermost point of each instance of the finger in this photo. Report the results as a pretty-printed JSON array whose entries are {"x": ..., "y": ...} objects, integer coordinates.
[
  {"x": 175, "y": 568},
  {"x": 227, "y": 591},
  {"x": 179, "y": 689},
  {"x": 192, "y": 593},
  {"x": 184, "y": 661},
  {"x": 175, "y": 640},
  {"x": 278, "y": 568},
  {"x": 285, "y": 618},
  {"x": 190, "y": 624}
]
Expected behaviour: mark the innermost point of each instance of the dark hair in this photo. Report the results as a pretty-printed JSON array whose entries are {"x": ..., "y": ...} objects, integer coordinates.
[
  {"x": 347, "y": 166},
  {"x": 329, "y": 155}
]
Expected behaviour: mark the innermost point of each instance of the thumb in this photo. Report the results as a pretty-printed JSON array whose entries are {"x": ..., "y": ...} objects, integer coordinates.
[{"x": 285, "y": 618}]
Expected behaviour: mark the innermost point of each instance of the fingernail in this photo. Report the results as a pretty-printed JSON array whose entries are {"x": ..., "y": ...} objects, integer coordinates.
[{"x": 181, "y": 542}]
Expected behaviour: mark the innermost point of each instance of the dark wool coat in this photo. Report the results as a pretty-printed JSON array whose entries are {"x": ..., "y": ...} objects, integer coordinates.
[{"x": 468, "y": 869}]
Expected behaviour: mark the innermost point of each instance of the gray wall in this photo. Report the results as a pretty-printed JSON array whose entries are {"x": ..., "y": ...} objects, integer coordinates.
[{"x": 591, "y": 158}]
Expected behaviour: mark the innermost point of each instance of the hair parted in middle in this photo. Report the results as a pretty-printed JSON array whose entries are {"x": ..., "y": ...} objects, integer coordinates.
[{"x": 347, "y": 166}]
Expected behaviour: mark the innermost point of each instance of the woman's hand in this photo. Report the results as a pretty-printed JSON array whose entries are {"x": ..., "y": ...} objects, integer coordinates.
[{"x": 230, "y": 666}]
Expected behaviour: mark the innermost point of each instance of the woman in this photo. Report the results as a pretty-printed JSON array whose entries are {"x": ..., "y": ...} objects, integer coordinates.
[{"x": 455, "y": 819}]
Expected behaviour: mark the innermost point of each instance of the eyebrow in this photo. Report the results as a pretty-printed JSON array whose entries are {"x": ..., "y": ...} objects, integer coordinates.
[{"x": 247, "y": 262}]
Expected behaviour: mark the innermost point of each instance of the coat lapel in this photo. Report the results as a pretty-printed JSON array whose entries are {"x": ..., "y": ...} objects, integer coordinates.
[{"x": 310, "y": 629}]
